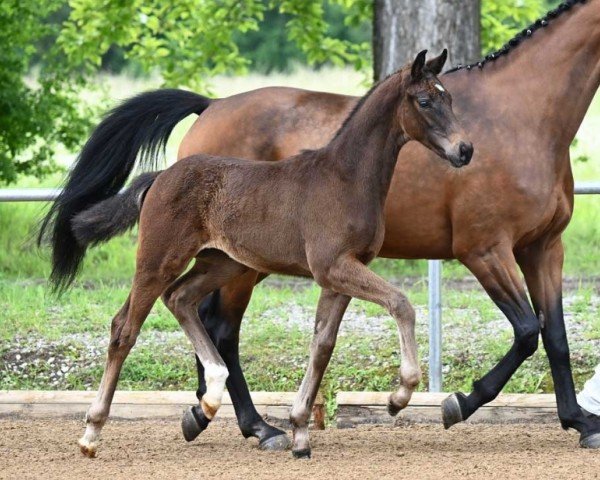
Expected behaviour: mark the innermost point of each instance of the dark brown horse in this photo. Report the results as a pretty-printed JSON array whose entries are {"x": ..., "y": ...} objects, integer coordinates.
[
  {"x": 503, "y": 215},
  {"x": 232, "y": 215}
]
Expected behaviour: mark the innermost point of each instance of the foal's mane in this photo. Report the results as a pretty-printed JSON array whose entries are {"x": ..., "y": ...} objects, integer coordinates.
[
  {"x": 521, "y": 36},
  {"x": 357, "y": 107}
]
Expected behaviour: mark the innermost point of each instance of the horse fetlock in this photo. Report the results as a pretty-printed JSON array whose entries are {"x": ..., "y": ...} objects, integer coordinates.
[
  {"x": 88, "y": 443},
  {"x": 410, "y": 377},
  {"x": 301, "y": 442},
  {"x": 215, "y": 376}
]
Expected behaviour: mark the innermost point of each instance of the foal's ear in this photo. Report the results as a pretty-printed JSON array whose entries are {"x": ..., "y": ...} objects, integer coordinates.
[
  {"x": 418, "y": 65},
  {"x": 436, "y": 65}
]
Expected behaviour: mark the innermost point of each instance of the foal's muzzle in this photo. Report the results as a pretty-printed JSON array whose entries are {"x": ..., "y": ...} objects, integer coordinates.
[{"x": 463, "y": 156}]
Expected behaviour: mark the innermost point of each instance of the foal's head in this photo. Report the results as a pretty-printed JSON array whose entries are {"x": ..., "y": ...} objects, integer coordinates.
[{"x": 426, "y": 113}]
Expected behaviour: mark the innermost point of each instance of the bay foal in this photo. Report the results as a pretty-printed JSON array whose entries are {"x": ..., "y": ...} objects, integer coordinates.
[{"x": 318, "y": 214}]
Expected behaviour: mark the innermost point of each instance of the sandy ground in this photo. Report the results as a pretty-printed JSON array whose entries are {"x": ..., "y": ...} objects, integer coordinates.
[{"x": 154, "y": 449}]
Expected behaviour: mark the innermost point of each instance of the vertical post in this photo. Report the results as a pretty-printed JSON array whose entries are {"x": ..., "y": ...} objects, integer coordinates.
[{"x": 435, "y": 326}]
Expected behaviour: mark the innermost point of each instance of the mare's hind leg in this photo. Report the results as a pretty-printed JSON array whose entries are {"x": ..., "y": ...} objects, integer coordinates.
[
  {"x": 497, "y": 271},
  {"x": 222, "y": 313},
  {"x": 542, "y": 266},
  {"x": 210, "y": 272}
]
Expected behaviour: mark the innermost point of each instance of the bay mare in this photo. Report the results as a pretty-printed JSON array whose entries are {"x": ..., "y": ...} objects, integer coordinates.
[
  {"x": 501, "y": 217},
  {"x": 231, "y": 215}
]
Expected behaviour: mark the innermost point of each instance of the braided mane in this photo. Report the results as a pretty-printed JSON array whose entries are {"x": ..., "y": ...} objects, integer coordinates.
[{"x": 521, "y": 36}]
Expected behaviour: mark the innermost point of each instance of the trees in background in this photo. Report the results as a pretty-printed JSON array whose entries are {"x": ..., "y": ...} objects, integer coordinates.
[
  {"x": 402, "y": 28},
  {"x": 36, "y": 117},
  {"x": 190, "y": 41}
]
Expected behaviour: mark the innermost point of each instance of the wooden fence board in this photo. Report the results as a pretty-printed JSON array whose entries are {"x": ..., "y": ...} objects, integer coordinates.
[{"x": 358, "y": 408}]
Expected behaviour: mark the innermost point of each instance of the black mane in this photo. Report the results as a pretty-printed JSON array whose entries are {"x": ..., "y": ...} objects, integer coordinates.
[{"x": 521, "y": 36}]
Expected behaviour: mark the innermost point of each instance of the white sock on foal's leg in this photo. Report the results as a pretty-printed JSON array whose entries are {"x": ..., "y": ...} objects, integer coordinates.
[{"x": 215, "y": 376}]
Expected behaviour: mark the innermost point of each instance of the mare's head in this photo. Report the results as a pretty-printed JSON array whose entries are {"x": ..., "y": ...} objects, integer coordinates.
[{"x": 426, "y": 115}]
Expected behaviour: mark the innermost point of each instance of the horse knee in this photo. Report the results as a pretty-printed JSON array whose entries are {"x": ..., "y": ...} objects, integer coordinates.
[
  {"x": 323, "y": 346},
  {"x": 400, "y": 307},
  {"x": 527, "y": 340}
]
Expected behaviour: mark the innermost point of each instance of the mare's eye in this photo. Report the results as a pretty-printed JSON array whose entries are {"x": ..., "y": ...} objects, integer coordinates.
[{"x": 424, "y": 103}]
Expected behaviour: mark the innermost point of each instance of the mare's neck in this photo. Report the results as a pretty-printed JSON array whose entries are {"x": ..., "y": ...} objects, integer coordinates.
[
  {"x": 365, "y": 151},
  {"x": 550, "y": 80}
]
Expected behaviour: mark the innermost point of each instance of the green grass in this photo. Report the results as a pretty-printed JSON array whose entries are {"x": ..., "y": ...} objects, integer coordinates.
[{"x": 70, "y": 333}]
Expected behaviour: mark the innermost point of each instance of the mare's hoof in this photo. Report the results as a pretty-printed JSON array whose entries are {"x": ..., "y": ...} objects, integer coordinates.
[
  {"x": 591, "y": 441},
  {"x": 193, "y": 423},
  {"x": 304, "y": 453},
  {"x": 451, "y": 412},
  {"x": 277, "y": 443},
  {"x": 87, "y": 448}
]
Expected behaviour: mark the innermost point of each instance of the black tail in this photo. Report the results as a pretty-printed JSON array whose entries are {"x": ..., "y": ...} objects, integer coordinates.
[
  {"x": 113, "y": 216},
  {"x": 139, "y": 126}
]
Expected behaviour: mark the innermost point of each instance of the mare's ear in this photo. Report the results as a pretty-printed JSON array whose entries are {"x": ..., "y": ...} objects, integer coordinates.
[
  {"x": 418, "y": 65},
  {"x": 436, "y": 65}
]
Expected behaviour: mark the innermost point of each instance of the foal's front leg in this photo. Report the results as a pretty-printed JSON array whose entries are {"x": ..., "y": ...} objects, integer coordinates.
[
  {"x": 348, "y": 276},
  {"x": 345, "y": 279},
  {"x": 330, "y": 312}
]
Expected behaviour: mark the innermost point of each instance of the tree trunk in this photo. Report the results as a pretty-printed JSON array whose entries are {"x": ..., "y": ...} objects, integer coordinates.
[{"x": 402, "y": 28}]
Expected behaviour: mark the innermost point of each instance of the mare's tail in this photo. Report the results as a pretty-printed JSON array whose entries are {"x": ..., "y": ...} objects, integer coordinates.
[{"x": 135, "y": 132}]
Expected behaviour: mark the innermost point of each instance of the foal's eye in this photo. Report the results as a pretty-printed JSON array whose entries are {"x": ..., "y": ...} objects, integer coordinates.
[{"x": 423, "y": 103}]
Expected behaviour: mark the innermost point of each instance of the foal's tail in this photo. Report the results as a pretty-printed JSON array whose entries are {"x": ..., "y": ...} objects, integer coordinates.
[
  {"x": 134, "y": 132},
  {"x": 113, "y": 216}
]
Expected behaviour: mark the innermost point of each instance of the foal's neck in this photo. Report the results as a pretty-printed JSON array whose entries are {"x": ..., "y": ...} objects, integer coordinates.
[{"x": 365, "y": 150}]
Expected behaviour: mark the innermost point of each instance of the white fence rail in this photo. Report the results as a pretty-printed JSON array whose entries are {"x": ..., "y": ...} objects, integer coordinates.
[{"x": 435, "y": 274}]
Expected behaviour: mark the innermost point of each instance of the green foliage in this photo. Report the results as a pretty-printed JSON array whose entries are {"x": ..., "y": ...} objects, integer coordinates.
[
  {"x": 189, "y": 41},
  {"x": 35, "y": 117},
  {"x": 503, "y": 19}
]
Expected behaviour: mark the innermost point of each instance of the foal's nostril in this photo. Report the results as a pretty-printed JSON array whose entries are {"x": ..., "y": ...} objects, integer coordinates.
[{"x": 466, "y": 153}]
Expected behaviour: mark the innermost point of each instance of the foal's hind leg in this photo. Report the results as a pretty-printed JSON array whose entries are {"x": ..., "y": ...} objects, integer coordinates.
[
  {"x": 124, "y": 332},
  {"x": 183, "y": 298}
]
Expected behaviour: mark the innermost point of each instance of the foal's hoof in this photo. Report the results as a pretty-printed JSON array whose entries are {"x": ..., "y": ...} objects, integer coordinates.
[
  {"x": 451, "y": 412},
  {"x": 591, "y": 441},
  {"x": 304, "y": 453},
  {"x": 392, "y": 409},
  {"x": 87, "y": 448},
  {"x": 193, "y": 423},
  {"x": 277, "y": 443}
]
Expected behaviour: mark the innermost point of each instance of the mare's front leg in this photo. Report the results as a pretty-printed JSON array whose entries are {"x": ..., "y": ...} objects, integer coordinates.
[
  {"x": 497, "y": 271},
  {"x": 542, "y": 265},
  {"x": 222, "y": 313},
  {"x": 330, "y": 312}
]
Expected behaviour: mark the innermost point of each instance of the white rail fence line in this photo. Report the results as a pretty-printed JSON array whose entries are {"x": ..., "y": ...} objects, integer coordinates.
[{"x": 435, "y": 274}]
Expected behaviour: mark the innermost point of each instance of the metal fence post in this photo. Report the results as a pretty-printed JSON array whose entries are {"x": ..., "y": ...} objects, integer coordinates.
[{"x": 435, "y": 326}]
